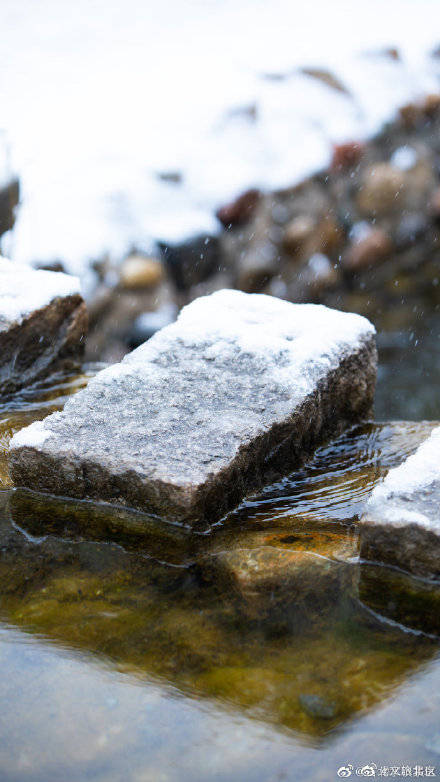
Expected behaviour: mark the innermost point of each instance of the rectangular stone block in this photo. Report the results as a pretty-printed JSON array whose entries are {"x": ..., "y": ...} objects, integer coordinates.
[
  {"x": 43, "y": 324},
  {"x": 401, "y": 524},
  {"x": 235, "y": 393}
]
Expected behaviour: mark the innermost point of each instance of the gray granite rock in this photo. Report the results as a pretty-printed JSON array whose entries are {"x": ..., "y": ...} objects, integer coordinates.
[
  {"x": 239, "y": 390},
  {"x": 43, "y": 324},
  {"x": 401, "y": 524}
]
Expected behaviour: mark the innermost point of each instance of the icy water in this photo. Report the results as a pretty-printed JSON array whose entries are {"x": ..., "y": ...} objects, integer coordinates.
[{"x": 261, "y": 650}]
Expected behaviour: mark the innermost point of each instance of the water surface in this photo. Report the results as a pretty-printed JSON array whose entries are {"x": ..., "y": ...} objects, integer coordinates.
[{"x": 260, "y": 650}]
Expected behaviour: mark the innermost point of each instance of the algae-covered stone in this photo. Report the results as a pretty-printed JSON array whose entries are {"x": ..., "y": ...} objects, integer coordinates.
[
  {"x": 241, "y": 388},
  {"x": 43, "y": 323},
  {"x": 401, "y": 525}
]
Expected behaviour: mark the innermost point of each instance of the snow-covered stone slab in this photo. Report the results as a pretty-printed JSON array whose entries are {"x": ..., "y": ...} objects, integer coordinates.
[
  {"x": 401, "y": 524},
  {"x": 43, "y": 323},
  {"x": 237, "y": 391}
]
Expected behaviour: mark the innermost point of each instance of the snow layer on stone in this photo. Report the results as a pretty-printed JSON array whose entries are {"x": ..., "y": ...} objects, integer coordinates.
[
  {"x": 418, "y": 471},
  {"x": 24, "y": 290},
  {"x": 289, "y": 348},
  {"x": 32, "y": 436},
  {"x": 405, "y": 491},
  {"x": 310, "y": 337},
  {"x": 89, "y": 167}
]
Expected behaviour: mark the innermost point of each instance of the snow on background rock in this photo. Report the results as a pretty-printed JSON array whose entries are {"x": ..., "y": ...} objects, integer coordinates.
[
  {"x": 24, "y": 290},
  {"x": 100, "y": 97}
]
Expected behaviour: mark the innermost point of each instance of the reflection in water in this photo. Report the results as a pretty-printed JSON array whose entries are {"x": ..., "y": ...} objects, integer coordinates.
[{"x": 133, "y": 650}]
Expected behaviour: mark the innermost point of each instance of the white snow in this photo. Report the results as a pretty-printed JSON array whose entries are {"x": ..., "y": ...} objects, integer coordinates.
[
  {"x": 24, "y": 289},
  {"x": 120, "y": 92},
  {"x": 396, "y": 501},
  {"x": 297, "y": 343},
  {"x": 32, "y": 436},
  {"x": 417, "y": 472}
]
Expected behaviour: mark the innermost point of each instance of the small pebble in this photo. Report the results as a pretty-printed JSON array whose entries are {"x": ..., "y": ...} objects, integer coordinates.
[{"x": 318, "y": 707}]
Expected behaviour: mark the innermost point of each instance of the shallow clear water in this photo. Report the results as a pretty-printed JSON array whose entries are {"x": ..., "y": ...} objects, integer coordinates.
[{"x": 262, "y": 650}]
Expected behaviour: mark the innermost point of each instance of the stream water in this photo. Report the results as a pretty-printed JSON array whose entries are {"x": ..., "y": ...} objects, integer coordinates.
[{"x": 261, "y": 650}]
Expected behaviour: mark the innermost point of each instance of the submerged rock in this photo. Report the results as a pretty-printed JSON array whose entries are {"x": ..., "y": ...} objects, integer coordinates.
[
  {"x": 43, "y": 324},
  {"x": 318, "y": 707},
  {"x": 397, "y": 596},
  {"x": 240, "y": 389},
  {"x": 401, "y": 525},
  {"x": 286, "y": 585}
]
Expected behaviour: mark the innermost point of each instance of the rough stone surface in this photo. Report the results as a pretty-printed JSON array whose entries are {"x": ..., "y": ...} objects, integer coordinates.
[
  {"x": 43, "y": 324},
  {"x": 240, "y": 389},
  {"x": 401, "y": 525}
]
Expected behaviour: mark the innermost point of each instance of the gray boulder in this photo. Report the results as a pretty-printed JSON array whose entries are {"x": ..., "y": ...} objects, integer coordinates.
[
  {"x": 401, "y": 524},
  {"x": 238, "y": 391},
  {"x": 43, "y": 324}
]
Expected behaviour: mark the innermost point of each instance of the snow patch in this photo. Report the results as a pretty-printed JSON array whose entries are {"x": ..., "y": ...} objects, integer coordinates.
[
  {"x": 32, "y": 436},
  {"x": 24, "y": 290},
  {"x": 417, "y": 472},
  {"x": 296, "y": 343}
]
